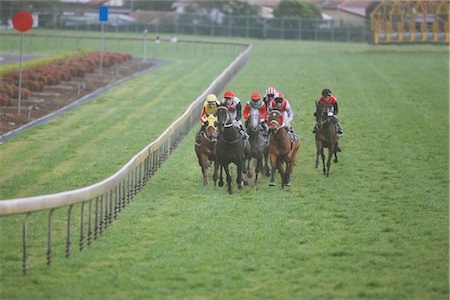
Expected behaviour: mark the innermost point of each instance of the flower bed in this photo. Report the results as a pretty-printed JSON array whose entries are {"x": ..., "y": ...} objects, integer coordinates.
[{"x": 36, "y": 78}]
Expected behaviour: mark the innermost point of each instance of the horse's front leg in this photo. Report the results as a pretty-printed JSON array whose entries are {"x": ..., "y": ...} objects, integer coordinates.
[
  {"x": 316, "y": 166},
  {"x": 319, "y": 148},
  {"x": 266, "y": 165},
  {"x": 227, "y": 171},
  {"x": 258, "y": 166},
  {"x": 322, "y": 154},
  {"x": 287, "y": 174},
  {"x": 204, "y": 164},
  {"x": 273, "y": 163},
  {"x": 239, "y": 179},
  {"x": 216, "y": 171},
  {"x": 221, "y": 176}
]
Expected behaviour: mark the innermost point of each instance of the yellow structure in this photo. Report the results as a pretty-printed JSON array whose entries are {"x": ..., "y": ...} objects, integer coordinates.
[{"x": 403, "y": 21}]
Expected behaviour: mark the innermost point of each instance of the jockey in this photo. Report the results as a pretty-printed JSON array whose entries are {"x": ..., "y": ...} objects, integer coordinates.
[
  {"x": 256, "y": 105},
  {"x": 282, "y": 104},
  {"x": 209, "y": 108},
  {"x": 233, "y": 104},
  {"x": 331, "y": 102},
  {"x": 269, "y": 95}
]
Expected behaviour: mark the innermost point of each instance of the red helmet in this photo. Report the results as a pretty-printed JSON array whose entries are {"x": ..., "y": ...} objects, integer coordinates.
[
  {"x": 228, "y": 94},
  {"x": 255, "y": 96}
]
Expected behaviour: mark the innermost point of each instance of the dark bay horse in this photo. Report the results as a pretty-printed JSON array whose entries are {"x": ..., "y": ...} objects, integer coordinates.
[
  {"x": 205, "y": 149},
  {"x": 326, "y": 136},
  {"x": 231, "y": 147},
  {"x": 258, "y": 145},
  {"x": 282, "y": 149}
]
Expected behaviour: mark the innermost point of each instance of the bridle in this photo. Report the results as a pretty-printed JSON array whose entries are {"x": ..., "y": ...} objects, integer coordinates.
[{"x": 227, "y": 124}]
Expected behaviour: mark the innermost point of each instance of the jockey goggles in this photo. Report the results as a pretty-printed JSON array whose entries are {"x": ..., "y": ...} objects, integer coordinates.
[
  {"x": 279, "y": 100},
  {"x": 270, "y": 95}
]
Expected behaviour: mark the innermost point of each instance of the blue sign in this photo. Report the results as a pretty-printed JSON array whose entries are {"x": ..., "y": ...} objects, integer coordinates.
[{"x": 103, "y": 14}]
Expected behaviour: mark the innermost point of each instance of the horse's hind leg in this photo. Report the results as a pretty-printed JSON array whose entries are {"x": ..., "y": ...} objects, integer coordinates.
[
  {"x": 249, "y": 171},
  {"x": 330, "y": 154},
  {"x": 221, "y": 176},
  {"x": 335, "y": 154}
]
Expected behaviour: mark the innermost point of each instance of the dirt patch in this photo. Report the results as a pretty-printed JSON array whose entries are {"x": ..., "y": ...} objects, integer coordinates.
[{"x": 55, "y": 97}]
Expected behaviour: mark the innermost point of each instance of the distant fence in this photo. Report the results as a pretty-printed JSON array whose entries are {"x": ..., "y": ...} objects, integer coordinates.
[
  {"x": 234, "y": 26},
  {"x": 101, "y": 203}
]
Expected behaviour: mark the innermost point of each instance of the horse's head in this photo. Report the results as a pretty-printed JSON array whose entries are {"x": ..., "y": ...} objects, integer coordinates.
[
  {"x": 223, "y": 117},
  {"x": 323, "y": 112},
  {"x": 275, "y": 120},
  {"x": 253, "y": 120},
  {"x": 211, "y": 126}
]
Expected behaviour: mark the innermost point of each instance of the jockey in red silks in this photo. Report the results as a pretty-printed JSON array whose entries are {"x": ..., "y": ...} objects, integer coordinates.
[
  {"x": 269, "y": 95},
  {"x": 331, "y": 101},
  {"x": 233, "y": 104},
  {"x": 282, "y": 105},
  {"x": 256, "y": 106}
]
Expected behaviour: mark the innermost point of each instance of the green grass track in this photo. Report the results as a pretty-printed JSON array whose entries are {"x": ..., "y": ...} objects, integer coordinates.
[{"x": 377, "y": 228}]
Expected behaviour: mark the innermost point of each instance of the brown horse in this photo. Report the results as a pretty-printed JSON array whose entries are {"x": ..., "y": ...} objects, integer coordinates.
[
  {"x": 205, "y": 149},
  {"x": 326, "y": 136},
  {"x": 282, "y": 149},
  {"x": 231, "y": 147}
]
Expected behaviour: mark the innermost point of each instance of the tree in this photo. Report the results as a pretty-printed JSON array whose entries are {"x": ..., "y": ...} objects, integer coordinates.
[
  {"x": 240, "y": 8},
  {"x": 297, "y": 9},
  {"x": 228, "y": 7}
]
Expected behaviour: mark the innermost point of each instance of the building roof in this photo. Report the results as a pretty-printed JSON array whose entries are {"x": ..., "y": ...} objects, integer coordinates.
[{"x": 356, "y": 7}]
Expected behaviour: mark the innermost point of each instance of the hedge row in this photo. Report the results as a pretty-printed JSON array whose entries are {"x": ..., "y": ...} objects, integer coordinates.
[{"x": 36, "y": 78}]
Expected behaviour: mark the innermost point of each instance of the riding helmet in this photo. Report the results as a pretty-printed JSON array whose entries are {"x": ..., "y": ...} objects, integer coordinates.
[
  {"x": 326, "y": 92},
  {"x": 279, "y": 95},
  {"x": 211, "y": 98},
  {"x": 271, "y": 91},
  {"x": 255, "y": 96},
  {"x": 228, "y": 94}
]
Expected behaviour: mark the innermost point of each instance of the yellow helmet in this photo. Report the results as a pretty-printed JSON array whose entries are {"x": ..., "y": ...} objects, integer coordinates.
[{"x": 212, "y": 98}]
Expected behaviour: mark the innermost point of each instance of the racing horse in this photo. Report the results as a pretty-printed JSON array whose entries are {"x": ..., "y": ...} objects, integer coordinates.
[
  {"x": 326, "y": 136},
  {"x": 205, "y": 148},
  {"x": 258, "y": 145},
  {"x": 231, "y": 147},
  {"x": 281, "y": 149}
]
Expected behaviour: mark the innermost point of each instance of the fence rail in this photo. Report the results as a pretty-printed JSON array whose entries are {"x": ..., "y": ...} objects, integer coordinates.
[{"x": 103, "y": 201}]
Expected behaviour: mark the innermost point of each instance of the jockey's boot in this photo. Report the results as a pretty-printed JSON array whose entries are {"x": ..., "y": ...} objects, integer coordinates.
[
  {"x": 315, "y": 128},
  {"x": 243, "y": 132},
  {"x": 339, "y": 130}
]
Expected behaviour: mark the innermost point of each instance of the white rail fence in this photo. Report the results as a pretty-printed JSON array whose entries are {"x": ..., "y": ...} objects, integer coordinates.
[{"x": 101, "y": 203}]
